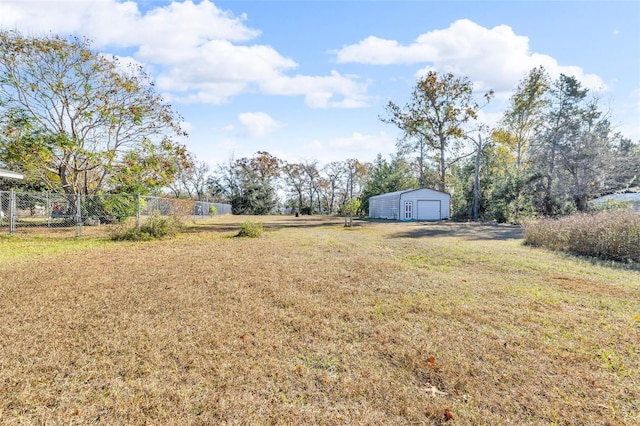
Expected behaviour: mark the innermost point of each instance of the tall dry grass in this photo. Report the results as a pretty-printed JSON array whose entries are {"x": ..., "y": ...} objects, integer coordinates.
[
  {"x": 314, "y": 323},
  {"x": 611, "y": 235}
]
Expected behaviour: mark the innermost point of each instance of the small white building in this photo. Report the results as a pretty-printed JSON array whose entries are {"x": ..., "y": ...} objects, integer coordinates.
[
  {"x": 9, "y": 174},
  {"x": 411, "y": 204}
]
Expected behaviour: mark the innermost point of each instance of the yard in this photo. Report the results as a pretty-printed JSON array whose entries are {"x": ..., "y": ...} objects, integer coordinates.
[{"x": 313, "y": 323}]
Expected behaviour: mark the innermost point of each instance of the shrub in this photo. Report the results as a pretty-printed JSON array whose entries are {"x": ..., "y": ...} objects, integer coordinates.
[
  {"x": 251, "y": 229},
  {"x": 613, "y": 235},
  {"x": 306, "y": 211},
  {"x": 120, "y": 206},
  {"x": 155, "y": 228}
]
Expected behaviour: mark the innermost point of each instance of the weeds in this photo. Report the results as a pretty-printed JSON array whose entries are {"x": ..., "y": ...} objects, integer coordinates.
[
  {"x": 154, "y": 228},
  {"x": 251, "y": 229},
  {"x": 611, "y": 235}
]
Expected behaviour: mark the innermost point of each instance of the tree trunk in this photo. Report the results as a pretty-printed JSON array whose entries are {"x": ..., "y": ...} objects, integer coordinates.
[
  {"x": 443, "y": 168},
  {"x": 476, "y": 181}
]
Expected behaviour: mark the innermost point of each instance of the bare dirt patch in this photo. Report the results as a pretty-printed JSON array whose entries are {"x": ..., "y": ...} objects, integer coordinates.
[{"x": 314, "y": 323}]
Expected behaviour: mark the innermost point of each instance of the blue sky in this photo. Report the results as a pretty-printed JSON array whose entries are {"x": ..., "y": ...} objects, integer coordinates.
[{"x": 309, "y": 80}]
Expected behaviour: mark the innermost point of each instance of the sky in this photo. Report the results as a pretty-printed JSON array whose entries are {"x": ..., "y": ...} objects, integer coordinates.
[{"x": 309, "y": 80}]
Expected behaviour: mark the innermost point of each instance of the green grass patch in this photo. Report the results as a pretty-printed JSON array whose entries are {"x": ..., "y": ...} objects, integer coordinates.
[
  {"x": 154, "y": 228},
  {"x": 251, "y": 229}
]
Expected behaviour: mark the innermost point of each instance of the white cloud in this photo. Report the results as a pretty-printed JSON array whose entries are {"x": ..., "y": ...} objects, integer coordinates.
[
  {"x": 357, "y": 142},
  {"x": 374, "y": 50},
  {"x": 320, "y": 91},
  {"x": 191, "y": 47},
  {"x": 363, "y": 146},
  {"x": 258, "y": 124},
  {"x": 493, "y": 58},
  {"x": 110, "y": 22}
]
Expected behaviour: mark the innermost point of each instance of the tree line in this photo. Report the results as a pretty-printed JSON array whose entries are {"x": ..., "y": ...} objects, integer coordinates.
[
  {"x": 76, "y": 121},
  {"x": 553, "y": 150}
]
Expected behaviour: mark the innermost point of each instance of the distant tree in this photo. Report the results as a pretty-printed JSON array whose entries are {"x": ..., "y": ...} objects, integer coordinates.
[
  {"x": 627, "y": 165},
  {"x": 333, "y": 174},
  {"x": 563, "y": 118},
  {"x": 387, "y": 176},
  {"x": 435, "y": 121},
  {"x": 266, "y": 166},
  {"x": 196, "y": 179},
  {"x": 313, "y": 182},
  {"x": 592, "y": 162},
  {"x": 191, "y": 180},
  {"x": 355, "y": 174},
  {"x": 248, "y": 183},
  {"x": 522, "y": 120},
  {"x": 254, "y": 196},
  {"x": 524, "y": 115},
  {"x": 76, "y": 118},
  {"x": 480, "y": 146},
  {"x": 295, "y": 179}
]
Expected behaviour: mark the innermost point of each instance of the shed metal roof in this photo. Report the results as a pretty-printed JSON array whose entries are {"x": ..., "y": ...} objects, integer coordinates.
[{"x": 391, "y": 194}]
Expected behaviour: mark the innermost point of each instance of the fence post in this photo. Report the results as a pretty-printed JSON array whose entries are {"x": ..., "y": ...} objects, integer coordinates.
[
  {"x": 49, "y": 212},
  {"x": 78, "y": 215},
  {"x": 137, "y": 210},
  {"x": 12, "y": 212},
  {"x": 1, "y": 211}
]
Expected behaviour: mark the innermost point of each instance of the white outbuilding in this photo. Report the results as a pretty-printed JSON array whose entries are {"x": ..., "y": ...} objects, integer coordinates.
[
  {"x": 412, "y": 204},
  {"x": 11, "y": 175}
]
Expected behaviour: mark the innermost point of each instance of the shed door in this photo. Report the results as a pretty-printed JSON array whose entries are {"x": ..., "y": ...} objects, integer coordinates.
[
  {"x": 429, "y": 210},
  {"x": 408, "y": 210}
]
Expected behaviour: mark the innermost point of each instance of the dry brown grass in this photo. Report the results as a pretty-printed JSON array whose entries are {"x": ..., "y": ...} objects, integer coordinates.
[
  {"x": 611, "y": 235},
  {"x": 313, "y": 323}
]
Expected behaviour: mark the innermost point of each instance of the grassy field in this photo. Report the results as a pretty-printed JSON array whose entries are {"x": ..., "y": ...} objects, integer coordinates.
[{"x": 314, "y": 323}]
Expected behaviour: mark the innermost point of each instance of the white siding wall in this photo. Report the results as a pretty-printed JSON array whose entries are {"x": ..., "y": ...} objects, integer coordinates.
[
  {"x": 426, "y": 194},
  {"x": 391, "y": 206},
  {"x": 384, "y": 206}
]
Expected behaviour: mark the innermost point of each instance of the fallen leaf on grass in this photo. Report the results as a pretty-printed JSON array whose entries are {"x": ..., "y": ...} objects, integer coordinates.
[
  {"x": 448, "y": 415},
  {"x": 431, "y": 363}
]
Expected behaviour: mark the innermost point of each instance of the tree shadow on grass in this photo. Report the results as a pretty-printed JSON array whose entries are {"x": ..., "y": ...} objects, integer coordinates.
[
  {"x": 464, "y": 230},
  {"x": 270, "y": 223}
]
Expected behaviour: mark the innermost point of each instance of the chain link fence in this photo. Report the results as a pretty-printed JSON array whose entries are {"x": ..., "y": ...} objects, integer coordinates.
[{"x": 51, "y": 213}]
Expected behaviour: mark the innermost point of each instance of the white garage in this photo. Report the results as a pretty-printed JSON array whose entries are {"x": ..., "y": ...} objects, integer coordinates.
[{"x": 412, "y": 204}]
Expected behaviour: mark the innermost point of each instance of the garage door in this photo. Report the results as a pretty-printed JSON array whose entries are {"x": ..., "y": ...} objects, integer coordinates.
[{"x": 428, "y": 210}]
